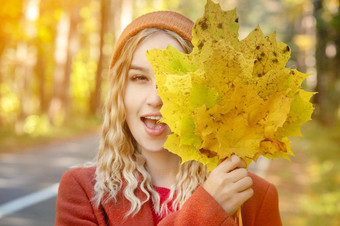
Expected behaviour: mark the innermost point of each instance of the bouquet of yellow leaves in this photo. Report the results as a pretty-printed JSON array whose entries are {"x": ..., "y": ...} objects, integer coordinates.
[{"x": 229, "y": 96}]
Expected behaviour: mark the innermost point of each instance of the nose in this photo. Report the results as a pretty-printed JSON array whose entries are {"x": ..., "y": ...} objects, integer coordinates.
[{"x": 153, "y": 99}]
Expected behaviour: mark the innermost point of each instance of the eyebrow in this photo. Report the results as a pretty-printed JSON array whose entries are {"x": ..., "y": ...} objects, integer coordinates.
[{"x": 135, "y": 67}]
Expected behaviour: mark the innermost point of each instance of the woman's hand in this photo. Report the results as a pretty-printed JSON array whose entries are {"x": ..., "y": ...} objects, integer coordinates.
[{"x": 230, "y": 184}]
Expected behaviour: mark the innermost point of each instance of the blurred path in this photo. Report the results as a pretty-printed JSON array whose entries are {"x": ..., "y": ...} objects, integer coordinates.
[{"x": 29, "y": 179}]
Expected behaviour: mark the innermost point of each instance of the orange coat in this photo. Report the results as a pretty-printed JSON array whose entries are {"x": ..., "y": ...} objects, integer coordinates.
[{"x": 75, "y": 206}]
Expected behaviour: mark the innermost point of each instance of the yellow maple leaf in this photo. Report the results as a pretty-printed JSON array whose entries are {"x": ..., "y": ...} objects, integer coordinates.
[{"x": 229, "y": 96}]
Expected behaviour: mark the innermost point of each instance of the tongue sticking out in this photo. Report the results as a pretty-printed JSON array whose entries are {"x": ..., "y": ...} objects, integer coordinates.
[{"x": 153, "y": 124}]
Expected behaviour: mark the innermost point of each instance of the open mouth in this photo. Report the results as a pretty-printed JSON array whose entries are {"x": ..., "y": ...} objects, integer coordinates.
[{"x": 153, "y": 123}]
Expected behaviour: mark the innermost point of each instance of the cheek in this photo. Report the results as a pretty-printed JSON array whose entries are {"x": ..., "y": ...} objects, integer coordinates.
[
  {"x": 133, "y": 100},
  {"x": 128, "y": 101}
]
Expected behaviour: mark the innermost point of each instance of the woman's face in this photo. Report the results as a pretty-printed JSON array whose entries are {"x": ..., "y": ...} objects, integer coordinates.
[{"x": 142, "y": 104}]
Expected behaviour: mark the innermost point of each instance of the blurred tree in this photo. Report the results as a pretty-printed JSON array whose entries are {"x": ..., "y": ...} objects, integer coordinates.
[
  {"x": 24, "y": 63},
  {"x": 72, "y": 48},
  {"x": 95, "y": 100},
  {"x": 10, "y": 17},
  {"x": 327, "y": 13},
  {"x": 54, "y": 58},
  {"x": 46, "y": 24},
  {"x": 65, "y": 49}
]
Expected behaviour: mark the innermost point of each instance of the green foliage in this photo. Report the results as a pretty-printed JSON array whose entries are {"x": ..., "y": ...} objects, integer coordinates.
[
  {"x": 9, "y": 104},
  {"x": 82, "y": 82},
  {"x": 36, "y": 125},
  {"x": 88, "y": 25},
  {"x": 320, "y": 204}
]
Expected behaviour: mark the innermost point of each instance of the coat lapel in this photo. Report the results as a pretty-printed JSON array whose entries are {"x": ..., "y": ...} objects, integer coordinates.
[{"x": 115, "y": 211}]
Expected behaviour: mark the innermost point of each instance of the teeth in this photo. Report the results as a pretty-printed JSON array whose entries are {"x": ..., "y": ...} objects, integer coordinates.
[{"x": 154, "y": 117}]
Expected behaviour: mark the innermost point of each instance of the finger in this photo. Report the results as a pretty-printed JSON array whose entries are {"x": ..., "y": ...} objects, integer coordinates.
[
  {"x": 246, "y": 194},
  {"x": 240, "y": 198},
  {"x": 242, "y": 164},
  {"x": 236, "y": 174},
  {"x": 243, "y": 184},
  {"x": 236, "y": 162},
  {"x": 229, "y": 164}
]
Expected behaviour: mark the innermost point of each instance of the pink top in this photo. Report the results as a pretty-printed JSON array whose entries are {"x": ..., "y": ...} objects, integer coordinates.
[{"x": 164, "y": 194}]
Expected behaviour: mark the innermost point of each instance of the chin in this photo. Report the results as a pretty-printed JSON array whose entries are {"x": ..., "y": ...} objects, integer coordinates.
[
  {"x": 153, "y": 146},
  {"x": 151, "y": 143},
  {"x": 154, "y": 149}
]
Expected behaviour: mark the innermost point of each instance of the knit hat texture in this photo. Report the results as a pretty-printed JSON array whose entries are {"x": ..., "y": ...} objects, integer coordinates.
[{"x": 161, "y": 19}]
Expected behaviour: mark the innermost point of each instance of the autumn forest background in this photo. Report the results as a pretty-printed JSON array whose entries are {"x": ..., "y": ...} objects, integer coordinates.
[{"x": 54, "y": 58}]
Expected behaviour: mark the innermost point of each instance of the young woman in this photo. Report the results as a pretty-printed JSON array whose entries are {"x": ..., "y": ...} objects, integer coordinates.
[{"x": 134, "y": 180}]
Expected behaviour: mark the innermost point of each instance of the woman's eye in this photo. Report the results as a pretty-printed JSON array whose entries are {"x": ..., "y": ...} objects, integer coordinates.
[{"x": 139, "y": 78}]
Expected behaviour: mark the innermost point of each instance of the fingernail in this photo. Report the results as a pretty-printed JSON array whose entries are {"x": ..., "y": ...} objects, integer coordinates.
[{"x": 234, "y": 158}]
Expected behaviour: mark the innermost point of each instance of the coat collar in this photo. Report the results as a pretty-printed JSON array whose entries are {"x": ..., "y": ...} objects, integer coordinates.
[{"x": 115, "y": 210}]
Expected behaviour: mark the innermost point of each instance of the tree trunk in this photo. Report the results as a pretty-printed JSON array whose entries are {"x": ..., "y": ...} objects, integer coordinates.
[
  {"x": 40, "y": 68},
  {"x": 71, "y": 50},
  {"x": 123, "y": 16},
  {"x": 60, "y": 104},
  {"x": 327, "y": 67},
  {"x": 2, "y": 47},
  {"x": 95, "y": 103},
  {"x": 24, "y": 75},
  {"x": 56, "y": 109}
]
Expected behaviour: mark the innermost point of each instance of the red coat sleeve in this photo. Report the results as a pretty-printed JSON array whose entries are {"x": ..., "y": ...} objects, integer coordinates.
[
  {"x": 269, "y": 213},
  {"x": 73, "y": 204},
  {"x": 263, "y": 207},
  {"x": 200, "y": 209}
]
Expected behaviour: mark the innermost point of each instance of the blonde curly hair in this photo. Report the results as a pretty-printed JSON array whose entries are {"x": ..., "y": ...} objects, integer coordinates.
[{"x": 119, "y": 164}]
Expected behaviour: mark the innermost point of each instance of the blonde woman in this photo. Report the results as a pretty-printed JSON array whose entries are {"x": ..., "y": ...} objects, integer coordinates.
[{"x": 135, "y": 181}]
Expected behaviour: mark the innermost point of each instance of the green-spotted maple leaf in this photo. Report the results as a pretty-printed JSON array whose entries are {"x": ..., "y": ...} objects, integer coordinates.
[{"x": 229, "y": 96}]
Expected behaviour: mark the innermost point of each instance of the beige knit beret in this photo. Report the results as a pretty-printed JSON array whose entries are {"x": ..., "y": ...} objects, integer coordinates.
[{"x": 161, "y": 19}]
